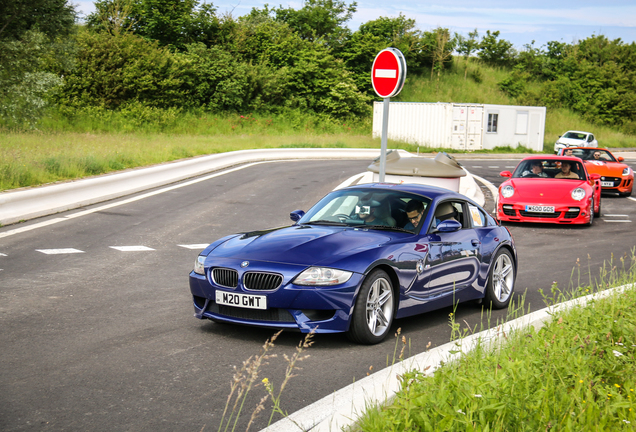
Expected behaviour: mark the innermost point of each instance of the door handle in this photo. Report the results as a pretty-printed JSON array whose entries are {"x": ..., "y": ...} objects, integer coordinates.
[{"x": 475, "y": 242}]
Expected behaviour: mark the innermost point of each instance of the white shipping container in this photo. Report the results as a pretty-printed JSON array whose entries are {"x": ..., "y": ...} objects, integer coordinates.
[{"x": 462, "y": 126}]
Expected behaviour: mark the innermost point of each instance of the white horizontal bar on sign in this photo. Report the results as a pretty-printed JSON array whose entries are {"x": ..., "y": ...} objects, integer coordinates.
[{"x": 385, "y": 73}]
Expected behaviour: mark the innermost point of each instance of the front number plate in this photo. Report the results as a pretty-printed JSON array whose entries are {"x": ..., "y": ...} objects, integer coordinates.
[
  {"x": 241, "y": 300},
  {"x": 607, "y": 184},
  {"x": 539, "y": 209}
]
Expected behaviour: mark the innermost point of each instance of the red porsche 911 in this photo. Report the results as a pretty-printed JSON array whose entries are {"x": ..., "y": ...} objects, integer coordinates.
[{"x": 554, "y": 189}]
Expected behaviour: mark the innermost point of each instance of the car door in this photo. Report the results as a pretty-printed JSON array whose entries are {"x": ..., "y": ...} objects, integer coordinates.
[{"x": 452, "y": 261}]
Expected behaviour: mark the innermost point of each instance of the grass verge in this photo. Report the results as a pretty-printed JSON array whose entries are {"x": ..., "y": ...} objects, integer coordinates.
[{"x": 578, "y": 372}]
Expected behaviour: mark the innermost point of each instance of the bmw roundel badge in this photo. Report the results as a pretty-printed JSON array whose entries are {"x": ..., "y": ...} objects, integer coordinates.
[{"x": 245, "y": 264}]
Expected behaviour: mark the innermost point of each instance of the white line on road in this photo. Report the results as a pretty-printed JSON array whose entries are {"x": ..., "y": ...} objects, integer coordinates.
[
  {"x": 631, "y": 198},
  {"x": 493, "y": 166},
  {"x": 132, "y": 248},
  {"x": 615, "y": 220},
  {"x": 126, "y": 201},
  {"x": 1, "y": 254},
  {"x": 59, "y": 251},
  {"x": 195, "y": 246},
  {"x": 477, "y": 166},
  {"x": 615, "y": 215}
]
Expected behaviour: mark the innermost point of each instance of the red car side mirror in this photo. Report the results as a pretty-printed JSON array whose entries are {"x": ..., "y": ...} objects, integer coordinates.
[
  {"x": 621, "y": 158},
  {"x": 595, "y": 176},
  {"x": 505, "y": 174}
]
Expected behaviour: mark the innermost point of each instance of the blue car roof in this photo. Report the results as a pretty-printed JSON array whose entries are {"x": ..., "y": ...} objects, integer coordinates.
[{"x": 431, "y": 192}]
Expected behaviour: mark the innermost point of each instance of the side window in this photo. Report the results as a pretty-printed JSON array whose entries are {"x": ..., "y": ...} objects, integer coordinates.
[
  {"x": 590, "y": 138},
  {"x": 450, "y": 210},
  {"x": 493, "y": 119},
  {"x": 476, "y": 216}
]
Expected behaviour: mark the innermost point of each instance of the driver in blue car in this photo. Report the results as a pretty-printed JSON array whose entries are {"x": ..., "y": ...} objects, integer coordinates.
[{"x": 368, "y": 212}]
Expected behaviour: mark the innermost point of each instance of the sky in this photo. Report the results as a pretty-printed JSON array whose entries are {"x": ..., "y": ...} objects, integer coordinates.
[{"x": 520, "y": 22}]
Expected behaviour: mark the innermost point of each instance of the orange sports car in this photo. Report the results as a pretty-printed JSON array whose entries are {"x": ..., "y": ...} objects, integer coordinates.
[{"x": 615, "y": 175}]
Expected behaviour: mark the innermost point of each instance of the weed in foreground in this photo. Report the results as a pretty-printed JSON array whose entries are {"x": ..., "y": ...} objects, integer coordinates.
[{"x": 246, "y": 377}]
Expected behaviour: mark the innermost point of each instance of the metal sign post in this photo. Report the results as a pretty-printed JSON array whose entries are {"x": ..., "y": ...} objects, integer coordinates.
[{"x": 387, "y": 77}]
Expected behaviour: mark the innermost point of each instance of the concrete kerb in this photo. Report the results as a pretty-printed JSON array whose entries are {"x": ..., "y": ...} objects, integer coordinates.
[
  {"x": 30, "y": 203},
  {"x": 342, "y": 408}
]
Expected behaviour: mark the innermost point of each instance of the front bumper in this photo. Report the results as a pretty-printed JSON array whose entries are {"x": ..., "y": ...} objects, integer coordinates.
[
  {"x": 294, "y": 307},
  {"x": 620, "y": 184},
  {"x": 563, "y": 214}
]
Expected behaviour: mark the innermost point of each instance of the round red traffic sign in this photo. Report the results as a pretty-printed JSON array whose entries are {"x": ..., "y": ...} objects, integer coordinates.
[{"x": 388, "y": 72}]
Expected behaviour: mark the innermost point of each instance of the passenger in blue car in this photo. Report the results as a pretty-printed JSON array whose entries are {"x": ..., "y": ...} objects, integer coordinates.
[{"x": 414, "y": 210}]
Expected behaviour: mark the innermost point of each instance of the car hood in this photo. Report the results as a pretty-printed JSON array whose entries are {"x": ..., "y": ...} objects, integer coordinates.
[
  {"x": 571, "y": 141},
  {"x": 613, "y": 169},
  {"x": 544, "y": 191},
  {"x": 302, "y": 245}
]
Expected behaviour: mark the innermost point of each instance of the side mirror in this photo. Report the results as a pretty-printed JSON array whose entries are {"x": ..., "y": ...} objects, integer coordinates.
[
  {"x": 505, "y": 174},
  {"x": 296, "y": 215},
  {"x": 595, "y": 176},
  {"x": 449, "y": 226},
  {"x": 621, "y": 158}
]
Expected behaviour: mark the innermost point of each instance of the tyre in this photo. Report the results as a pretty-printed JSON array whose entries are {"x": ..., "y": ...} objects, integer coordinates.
[
  {"x": 591, "y": 221},
  {"x": 501, "y": 280},
  {"x": 625, "y": 194},
  {"x": 598, "y": 213},
  {"x": 374, "y": 309}
]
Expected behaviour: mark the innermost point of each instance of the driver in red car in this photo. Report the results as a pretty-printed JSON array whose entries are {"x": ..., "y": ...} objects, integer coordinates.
[{"x": 537, "y": 171}]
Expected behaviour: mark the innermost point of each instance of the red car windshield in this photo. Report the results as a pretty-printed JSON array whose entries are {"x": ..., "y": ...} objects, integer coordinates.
[{"x": 549, "y": 169}]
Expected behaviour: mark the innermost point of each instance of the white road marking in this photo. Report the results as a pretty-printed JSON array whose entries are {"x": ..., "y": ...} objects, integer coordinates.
[
  {"x": 131, "y": 248},
  {"x": 59, "y": 251},
  {"x": 477, "y": 166},
  {"x": 1, "y": 254},
  {"x": 616, "y": 220},
  {"x": 126, "y": 201},
  {"x": 493, "y": 166},
  {"x": 615, "y": 215},
  {"x": 631, "y": 198},
  {"x": 510, "y": 166},
  {"x": 195, "y": 246}
]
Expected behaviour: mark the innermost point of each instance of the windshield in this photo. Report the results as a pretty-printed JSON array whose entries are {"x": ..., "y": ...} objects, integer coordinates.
[
  {"x": 593, "y": 154},
  {"x": 372, "y": 208},
  {"x": 575, "y": 135},
  {"x": 549, "y": 169}
]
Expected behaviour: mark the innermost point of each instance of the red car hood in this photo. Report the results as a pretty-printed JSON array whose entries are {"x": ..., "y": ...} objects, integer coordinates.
[{"x": 544, "y": 191}]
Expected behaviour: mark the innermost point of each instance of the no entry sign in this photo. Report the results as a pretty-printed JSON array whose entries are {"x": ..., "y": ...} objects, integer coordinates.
[{"x": 388, "y": 72}]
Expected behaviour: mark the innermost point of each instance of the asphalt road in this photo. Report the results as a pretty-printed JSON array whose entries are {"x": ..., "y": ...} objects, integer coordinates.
[{"x": 96, "y": 317}]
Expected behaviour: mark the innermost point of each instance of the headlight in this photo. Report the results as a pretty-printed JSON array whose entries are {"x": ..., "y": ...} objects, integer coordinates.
[
  {"x": 320, "y": 276},
  {"x": 626, "y": 171},
  {"x": 507, "y": 191},
  {"x": 198, "y": 265},
  {"x": 578, "y": 194}
]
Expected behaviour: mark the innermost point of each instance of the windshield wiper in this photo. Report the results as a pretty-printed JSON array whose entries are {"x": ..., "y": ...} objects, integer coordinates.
[{"x": 324, "y": 222}]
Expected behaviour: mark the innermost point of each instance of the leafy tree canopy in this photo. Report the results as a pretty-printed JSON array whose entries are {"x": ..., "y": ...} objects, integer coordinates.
[{"x": 51, "y": 17}]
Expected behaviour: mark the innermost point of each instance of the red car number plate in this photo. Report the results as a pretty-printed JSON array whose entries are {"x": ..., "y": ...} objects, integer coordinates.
[
  {"x": 241, "y": 300},
  {"x": 539, "y": 209}
]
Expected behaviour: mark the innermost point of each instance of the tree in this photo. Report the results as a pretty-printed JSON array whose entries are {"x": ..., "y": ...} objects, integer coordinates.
[
  {"x": 172, "y": 23},
  {"x": 496, "y": 52},
  {"x": 442, "y": 50},
  {"x": 319, "y": 19},
  {"x": 32, "y": 40},
  {"x": 466, "y": 46},
  {"x": 50, "y": 17}
]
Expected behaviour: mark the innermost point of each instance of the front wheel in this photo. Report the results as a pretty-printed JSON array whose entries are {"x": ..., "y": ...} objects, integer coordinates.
[
  {"x": 591, "y": 221},
  {"x": 501, "y": 280},
  {"x": 373, "y": 310}
]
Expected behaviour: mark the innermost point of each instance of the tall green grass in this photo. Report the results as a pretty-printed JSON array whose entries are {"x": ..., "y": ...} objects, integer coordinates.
[{"x": 577, "y": 373}]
